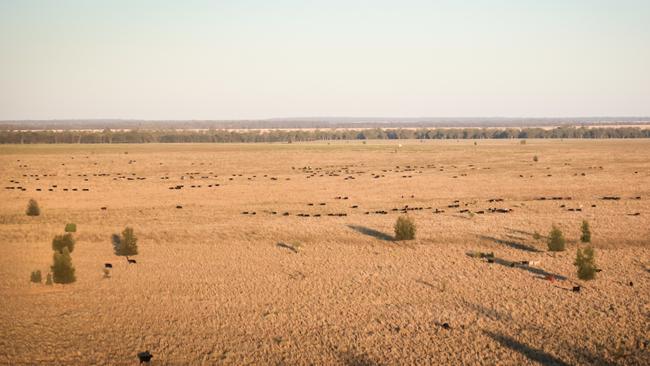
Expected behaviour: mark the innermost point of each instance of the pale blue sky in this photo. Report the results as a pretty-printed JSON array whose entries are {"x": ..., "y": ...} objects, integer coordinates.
[{"x": 259, "y": 59}]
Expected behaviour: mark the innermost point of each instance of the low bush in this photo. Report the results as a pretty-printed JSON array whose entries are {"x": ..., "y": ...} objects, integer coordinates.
[
  {"x": 71, "y": 228},
  {"x": 586, "y": 263},
  {"x": 32, "y": 208},
  {"x": 36, "y": 277},
  {"x": 404, "y": 228},
  {"x": 556, "y": 242}
]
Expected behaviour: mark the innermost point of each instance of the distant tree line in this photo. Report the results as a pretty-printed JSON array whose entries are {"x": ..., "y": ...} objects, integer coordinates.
[{"x": 235, "y": 136}]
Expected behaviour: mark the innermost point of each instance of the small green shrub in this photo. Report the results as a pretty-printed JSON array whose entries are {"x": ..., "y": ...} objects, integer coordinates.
[
  {"x": 63, "y": 241},
  {"x": 36, "y": 277},
  {"x": 586, "y": 232},
  {"x": 586, "y": 263},
  {"x": 48, "y": 281},
  {"x": 32, "y": 208},
  {"x": 404, "y": 228},
  {"x": 537, "y": 235},
  {"x": 62, "y": 268},
  {"x": 71, "y": 228},
  {"x": 522, "y": 142},
  {"x": 556, "y": 240},
  {"x": 127, "y": 243}
]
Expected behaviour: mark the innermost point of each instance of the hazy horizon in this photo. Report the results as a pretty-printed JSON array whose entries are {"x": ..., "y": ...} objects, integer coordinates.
[
  {"x": 256, "y": 60},
  {"x": 395, "y": 119}
]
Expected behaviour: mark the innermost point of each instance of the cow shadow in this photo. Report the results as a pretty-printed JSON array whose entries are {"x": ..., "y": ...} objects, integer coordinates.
[{"x": 371, "y": 232}]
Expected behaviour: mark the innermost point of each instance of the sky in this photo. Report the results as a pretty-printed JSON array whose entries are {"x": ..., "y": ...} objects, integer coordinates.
[{"x": 254, "y": 59}]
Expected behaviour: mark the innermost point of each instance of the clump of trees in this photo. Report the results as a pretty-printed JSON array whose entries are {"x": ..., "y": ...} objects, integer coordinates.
[
  {"x": 63, "y": 241},
  {"x": 32, "y": 208},
  {"x": 62, "y": 269},
  {"x": 285, "y": 135},
  {"x": 556, "y": 241},
  {"x": 405, "y": 228},
  {"x": 125, "y": 244},
  {"x": 586, "y": 257}
]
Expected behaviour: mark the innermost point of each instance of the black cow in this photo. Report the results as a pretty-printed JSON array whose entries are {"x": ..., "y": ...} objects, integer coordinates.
[{"x": 145, "y": 357}]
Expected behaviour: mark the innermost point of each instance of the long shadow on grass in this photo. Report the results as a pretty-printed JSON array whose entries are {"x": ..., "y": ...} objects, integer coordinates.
[
  {"x": 371, "y": 232},
  {"x": 531, "y": 353},
  {"x": 512, "y": 244},
  {"x": 537, "y": 271},
  {"x": 517, "y": 231}
]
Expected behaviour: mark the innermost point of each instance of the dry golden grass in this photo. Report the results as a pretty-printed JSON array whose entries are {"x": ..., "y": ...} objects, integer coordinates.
[{"x": 213, "y": 287}]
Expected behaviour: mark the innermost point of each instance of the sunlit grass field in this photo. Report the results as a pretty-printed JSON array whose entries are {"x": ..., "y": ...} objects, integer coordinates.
[{"x": 212, "y": 285}]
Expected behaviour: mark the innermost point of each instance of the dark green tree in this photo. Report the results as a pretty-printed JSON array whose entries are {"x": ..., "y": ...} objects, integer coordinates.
[
  {"x": 36, "y": 276},
  {"x": 62, "y": 268},
  {"x": 32, "y": 208},
  {"x": 556, "y": 240},
  {"x": 586, "y": 232},
  {"x": 127, "y": 243},
  {"x": 586, "y": 263},
  {"x": 63, "y": 241},
  {"x": 404, "y": 228}
]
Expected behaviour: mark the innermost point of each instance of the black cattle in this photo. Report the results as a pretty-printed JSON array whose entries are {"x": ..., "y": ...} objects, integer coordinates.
[
  {"x": 108, "y": 265},
  {"x": 145, "y": 357},
  {"x": 131, "y": 261}
]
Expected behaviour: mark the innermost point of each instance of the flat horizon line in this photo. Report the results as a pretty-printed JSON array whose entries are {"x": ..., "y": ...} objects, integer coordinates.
[{"x": 326, "y": 118}]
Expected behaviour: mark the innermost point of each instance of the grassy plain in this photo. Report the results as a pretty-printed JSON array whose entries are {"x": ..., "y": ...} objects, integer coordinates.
[{"x": 212, "y": 285}]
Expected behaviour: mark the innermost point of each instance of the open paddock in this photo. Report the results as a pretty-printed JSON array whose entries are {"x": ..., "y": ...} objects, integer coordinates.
[{"x": 284, "y": 253}]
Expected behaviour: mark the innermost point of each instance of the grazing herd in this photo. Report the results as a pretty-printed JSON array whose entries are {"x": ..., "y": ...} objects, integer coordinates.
[{"x": 346, "y": 172}]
